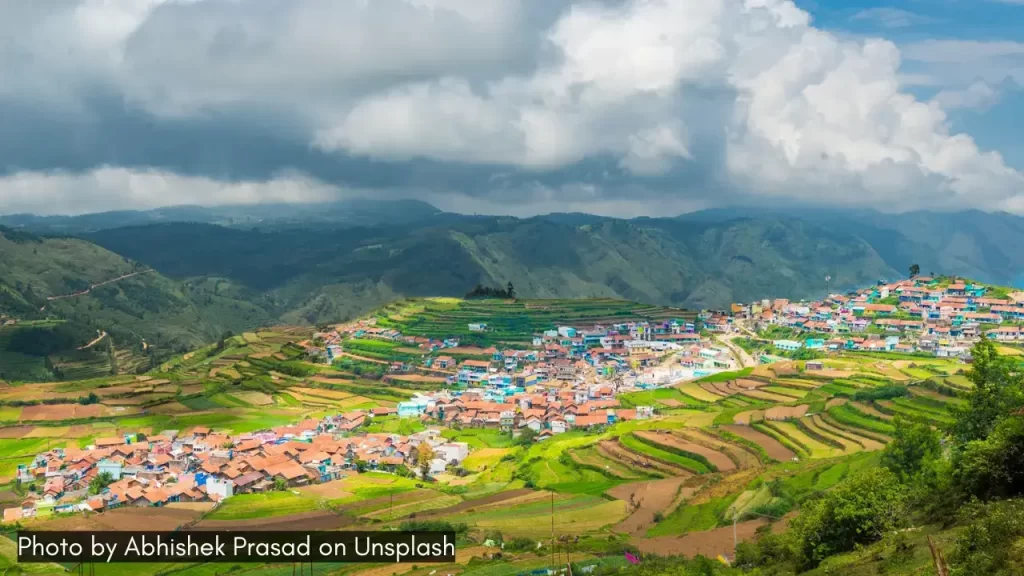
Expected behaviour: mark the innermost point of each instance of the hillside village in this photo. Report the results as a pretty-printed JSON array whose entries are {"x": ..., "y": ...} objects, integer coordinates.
[
  {"x": 568, "y": 378},
  {"x": 922, "y": 315}
]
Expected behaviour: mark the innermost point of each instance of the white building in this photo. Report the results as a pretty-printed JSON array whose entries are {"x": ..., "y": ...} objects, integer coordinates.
[
  {"x": 452, "y": 451},
  {"x": 221, "y": 488}
]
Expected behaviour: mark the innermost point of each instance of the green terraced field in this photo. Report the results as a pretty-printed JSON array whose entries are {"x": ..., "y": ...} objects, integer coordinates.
[{"x": 636, "y": 445}]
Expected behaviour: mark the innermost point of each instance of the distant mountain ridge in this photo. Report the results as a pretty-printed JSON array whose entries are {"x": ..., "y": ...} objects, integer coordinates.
[
  {"x": 352, "y": 212},
  {"x": 314, "y": 263}
]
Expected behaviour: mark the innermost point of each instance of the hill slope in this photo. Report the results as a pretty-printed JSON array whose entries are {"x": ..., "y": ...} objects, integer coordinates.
[
  {"x": 66, "y": 291},
  {"x": 669, "y": 262}
]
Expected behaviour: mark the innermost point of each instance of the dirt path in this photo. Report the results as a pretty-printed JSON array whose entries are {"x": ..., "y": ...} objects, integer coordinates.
[
  {"x": 364, "y": 359},
  {"x": 653, "y": 496},
  {"x": 94, "y": 342},
  {"x": 745, "y": 359},
  {"x": 710, "y": 543},
  {"x": 771, "y": 446},
  {"x": 94, "y": 286}
]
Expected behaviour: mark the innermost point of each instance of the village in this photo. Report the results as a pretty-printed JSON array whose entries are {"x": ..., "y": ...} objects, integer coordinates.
[
  {"x": 921, "y": 315},
  {"x": 569, "y": 378}
]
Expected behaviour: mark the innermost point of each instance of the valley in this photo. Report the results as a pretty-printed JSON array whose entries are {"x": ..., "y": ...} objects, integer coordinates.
[{"x": 569, "y": 430}]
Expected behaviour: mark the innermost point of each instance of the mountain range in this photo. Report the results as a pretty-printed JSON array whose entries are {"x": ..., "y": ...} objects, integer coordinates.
[{"x": 232, "y": 268}]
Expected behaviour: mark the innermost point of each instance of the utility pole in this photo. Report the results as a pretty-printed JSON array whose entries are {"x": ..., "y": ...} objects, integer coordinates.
[{"x": 553, "y": 564}]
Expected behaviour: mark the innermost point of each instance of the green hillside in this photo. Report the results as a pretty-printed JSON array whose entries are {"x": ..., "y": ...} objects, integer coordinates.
[
  {"x": 323, "y": 274},
  {"x": 65, "y": 292}
]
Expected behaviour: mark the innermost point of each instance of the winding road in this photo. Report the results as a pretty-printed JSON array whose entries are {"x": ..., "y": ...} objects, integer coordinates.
[{"x": 94, "y": 286}]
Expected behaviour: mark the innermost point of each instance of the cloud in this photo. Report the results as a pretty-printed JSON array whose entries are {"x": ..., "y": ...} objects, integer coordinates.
[
  {"x": 889, "y": 17},
  {"x": 682, "y": 102},
  {"x": 978, "y": 95},
  {"x": 113, "y": 188}
]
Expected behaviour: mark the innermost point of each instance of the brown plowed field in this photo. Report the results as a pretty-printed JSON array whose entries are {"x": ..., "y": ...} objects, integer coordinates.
[
  {"x": 722, "y": 388},
  {"x": 130, "y": 519},
  {"x": 652, "y": 495},
  {"x": 784, "y": 412},
  {"x": 836, "y": 402},
  {"x": 769, "y": 396},
  {"x": 708, "y": 387},
  {"x": 747, "y": 458},
  {"x": 710, "y": 543},
  {"x": 476, "y": 503},
  {"x": 614, "y": 450},
  {"x": 867, "y": 443},
  {"x": 313, "y": 520},
  {"x": 61, "y": 411},
  {"x": 720, "y": 461},
  {"x": 870, "y": 410},
  {"x": 748, "y": 383},
  {"x": 749, "y": 416},
  {"x": 771, "y": 446},
  {"x": 14, "y": 431}
]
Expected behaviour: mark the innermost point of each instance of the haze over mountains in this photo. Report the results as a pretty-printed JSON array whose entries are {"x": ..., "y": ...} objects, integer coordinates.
[{"x": 230, "y": 268}]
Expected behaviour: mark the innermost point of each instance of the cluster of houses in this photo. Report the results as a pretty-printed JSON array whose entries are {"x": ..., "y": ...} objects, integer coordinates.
[
  {"x": 918, "y": 315},
  {"x": 204, "y": 465},
  {"x": 625, "y": 355},
  {"x": 547, "y": 412}
]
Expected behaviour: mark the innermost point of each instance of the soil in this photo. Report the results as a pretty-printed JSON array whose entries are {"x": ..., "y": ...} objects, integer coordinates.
[
  {"x": 652, "y": 495},
  {"x": 313, "y": 520},
  {"x": 870, "y": 410},
  {"x": 14, "y": 431},
  {"x": 616, "y": 451},
  {"x": 719, "y": 460},
  {"x": 771, "y": 446},
  {"x": 785, "y": 412},
  {"x": 769, "y": 396},
  {"x": 710, "y": 543},
  {"x": 476, "y": 503},
  {"x": 131, "y": 519},
  {"x": 746, "y": 457},
  {"x": 745, "y": 418}
]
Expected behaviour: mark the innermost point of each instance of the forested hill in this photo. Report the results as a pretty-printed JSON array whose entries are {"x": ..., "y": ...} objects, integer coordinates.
[
  {"x": 205, "y": 278},
  {"x": 64, "y": 292},
  {"x": 671, "y": 262}
]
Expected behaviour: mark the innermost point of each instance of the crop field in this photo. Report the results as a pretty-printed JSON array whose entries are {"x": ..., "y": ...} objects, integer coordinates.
[
  {"x": 511, "y": 321},
  {"x": 246, "y": 506}
]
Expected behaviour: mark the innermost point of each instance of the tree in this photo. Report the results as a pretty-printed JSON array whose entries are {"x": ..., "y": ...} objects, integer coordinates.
[
  {"x": 913, "y": 445},
  {"x": 280, "y": 484},
  {"x": 526, "y": 437},
  {"x": 100, "y": 481},
  {"x": 510, "y": 291},
  {"x": 857, "y": 512},
  {"x": 914, "y": 270},
  {"x": 425, "y": 456},
  {"x": 998, "y": 392}
]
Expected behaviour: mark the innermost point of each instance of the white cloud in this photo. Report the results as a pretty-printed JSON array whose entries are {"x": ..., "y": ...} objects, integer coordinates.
[
  {"x": 889, "y": 17},
  {"x": 113, "y": 188},
  {"x": 528, "y": 86},
  {"x": 977, "y": 95}
]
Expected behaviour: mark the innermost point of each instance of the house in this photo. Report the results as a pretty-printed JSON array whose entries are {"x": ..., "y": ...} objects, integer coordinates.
[
  {"x": 787, "y": 345},
  {"x": 452, "y": 451},
  {"x": 219, "y": 488},
  {"x": 477, "y": 327},
  {"x": 444, "y": 362},
  {"x": 109, "y": 467}
]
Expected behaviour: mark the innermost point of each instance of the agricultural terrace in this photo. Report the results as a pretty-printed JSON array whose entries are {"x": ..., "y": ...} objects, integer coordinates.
[
  {"x": 514, "y": 322},
  {"x": 749, "y": 446}
]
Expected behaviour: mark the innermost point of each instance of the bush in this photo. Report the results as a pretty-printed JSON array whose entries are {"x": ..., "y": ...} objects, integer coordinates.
[
  {"x": 993, "y": 542},
  {"x": 859, "y": 511}
]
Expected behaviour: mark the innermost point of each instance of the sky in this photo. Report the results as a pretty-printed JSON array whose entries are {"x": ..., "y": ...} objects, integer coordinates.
[{"x": 614, "y": 107}]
